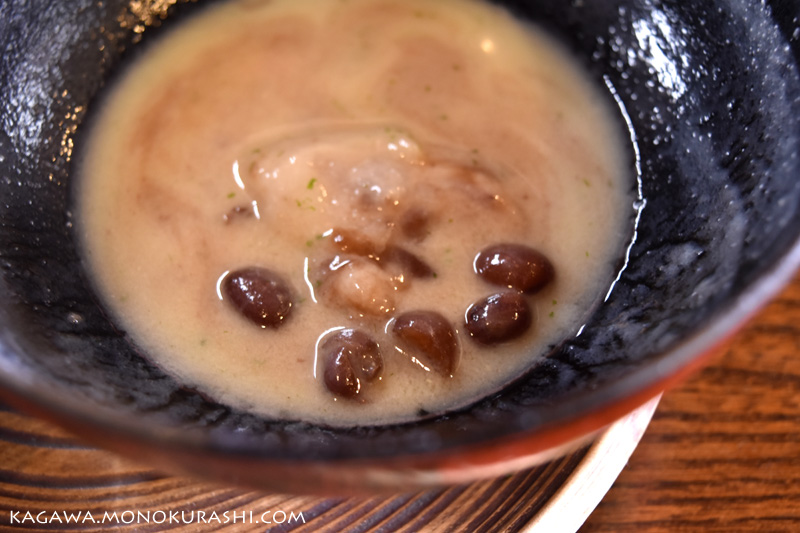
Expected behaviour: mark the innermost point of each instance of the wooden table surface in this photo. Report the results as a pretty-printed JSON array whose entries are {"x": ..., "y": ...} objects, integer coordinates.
[{"x": 723, "y": 450}]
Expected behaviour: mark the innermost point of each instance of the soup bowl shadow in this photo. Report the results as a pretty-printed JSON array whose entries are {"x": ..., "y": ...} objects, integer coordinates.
[{"x": 708, "y": 95}]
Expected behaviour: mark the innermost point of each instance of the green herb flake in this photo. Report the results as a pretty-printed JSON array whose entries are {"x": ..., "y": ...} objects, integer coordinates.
[
  {"x": 587, "y": 182},
  {"x": 299, "y": 203},
  {"x": 435, "y": 275},
  {"x": 231, "y": 194},
  {"x": 552, "y": 314},
  {"x": 309, "y": 243},
  {"x": 203, "y": 342},
  {"x": 428, "y": 88},
  {"x": 587, "y": 254},
  {"x": 318, "y": 283},
  {"x": 311, "y": 184},
  {"x": 555, "y": 302}
]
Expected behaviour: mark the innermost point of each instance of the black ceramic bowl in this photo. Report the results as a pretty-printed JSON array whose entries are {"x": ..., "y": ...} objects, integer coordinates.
[{"x": 709, "y": 91}]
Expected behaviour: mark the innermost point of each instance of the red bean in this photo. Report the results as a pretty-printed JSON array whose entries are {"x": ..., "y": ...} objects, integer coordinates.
[
  {"x": 354, "y": 242},
  {"x": 260, "y": 295},
  {"x": 350, "y": 358},
  {"x": 408, "y": 263},
  {"x": 499, "y": 318},
  {"x": 238, "y": 213},
  {"x": 415, "y": 224},
  {"x": 389, "y": 255},
  {"x": 515, "y": 266},
  {"x": 361, "y": 350},
  {"x": 339, "y": 376},
  {"x": 430, "y": 338}
]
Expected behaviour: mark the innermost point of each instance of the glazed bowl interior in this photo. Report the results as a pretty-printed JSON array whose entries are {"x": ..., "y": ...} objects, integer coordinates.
[{"x": 707, "y": 93}]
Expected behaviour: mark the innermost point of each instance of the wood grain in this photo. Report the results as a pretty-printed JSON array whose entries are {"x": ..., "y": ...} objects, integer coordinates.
[
  {"x": 49, "y": 480},
  {"x": 723, "y": 450},
  {"x": 45, "y": 471}
]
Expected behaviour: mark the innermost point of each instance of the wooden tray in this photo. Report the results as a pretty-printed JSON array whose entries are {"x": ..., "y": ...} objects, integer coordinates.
[{"x": 50, "y": 480}]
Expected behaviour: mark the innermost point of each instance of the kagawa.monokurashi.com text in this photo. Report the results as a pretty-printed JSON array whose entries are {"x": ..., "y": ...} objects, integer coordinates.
[{"x": 129, "y": 517}]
